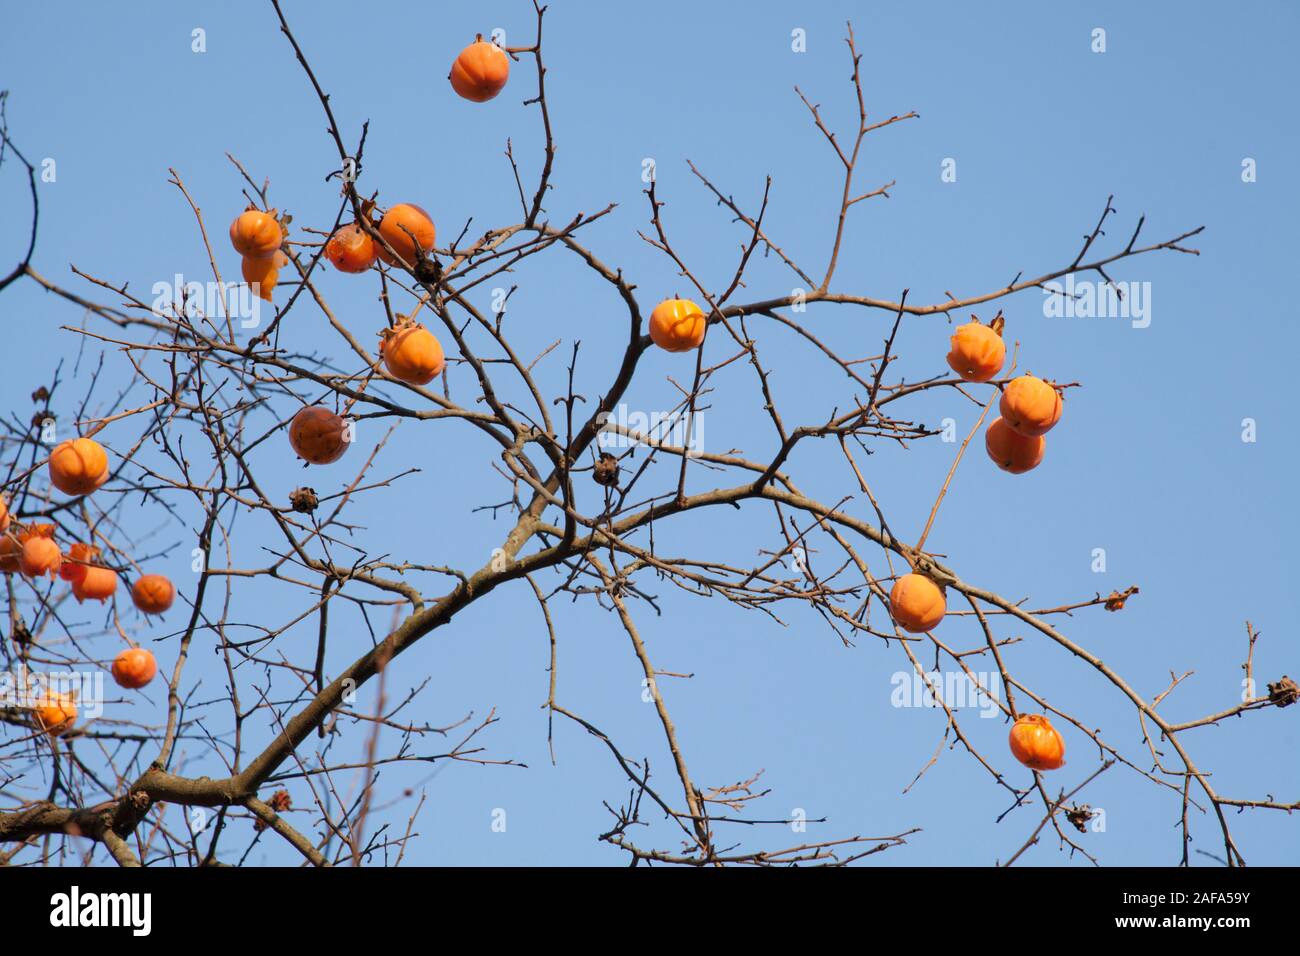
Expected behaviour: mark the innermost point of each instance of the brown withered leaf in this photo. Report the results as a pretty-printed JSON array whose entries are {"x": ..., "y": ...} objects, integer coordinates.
[{"x": 279, "y": 802}]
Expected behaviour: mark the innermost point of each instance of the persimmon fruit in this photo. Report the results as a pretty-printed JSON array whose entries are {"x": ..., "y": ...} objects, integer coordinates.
[
  {"x": 134, "y": 667},
  {"x": 153, "y": 593},
  {"x": 56, "y": 713},
  {"x": 677, "y": 325},
  {"x": 96, "y": 583},
  {"x": 1036, "y": 743},
  {"x": 76, "y": 561},
  {"x": 262, "y": 275},
  {"x": 78, "y": 466},
  {"x": 40, "y": 555},
  {"x": 11, "y": 549},
  {"x": 977, "y": 351},
  {"x": 916, "y": 603},
  {"x": 411, "y": 353},
  {"x": 398, "y": 225},
  {"x": 1012, "y": 451},
  {"x": 480, "y": 72},
  {"x": 318, "y": 435},
  {"x": 350, "y": 249},
  {"x": 1030, "y": 406},
  {"x": 256, "y": 234}
]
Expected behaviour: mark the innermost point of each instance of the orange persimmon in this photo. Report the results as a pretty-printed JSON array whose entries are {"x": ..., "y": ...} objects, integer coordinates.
[
  {"x": 78, "y": 466},
  {"x": 677, "y": 325},
  {"x": 1012, "y": 451},
  {"x": 1030, "y": 406},
  {"x": 96, "y": 583},
  {"x": 411, "y": 353},
  {"x": 77, "y": 559},
  {"x": 398, "y": 225},
  {"x": 318, "y": 435},
  {"x": 977, "y": 351},
  {"x": 1036, "y": 743},
  {"x": 11, "y": 549},
  {"x": 40, "y": 555},
  {"x": 56, "y": 713},
  {"x": 480, "y": 71},
  {"x": 351, "y": 249},
  {"x": 263, "y": 274},
  {"x": 256, "y": 234},
  {"x": 134, "y": 667},
  {"x": 916, "y": 603},
  {"x": 153, "y": 593}
]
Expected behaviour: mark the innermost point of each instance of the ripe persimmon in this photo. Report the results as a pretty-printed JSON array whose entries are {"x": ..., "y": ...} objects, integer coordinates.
[
  {"x": 56, "y": 713},
  {"x": 78, "y": 466},
  {"x": 677, "y": 325},
  {"x": 398, "y": 225},
  {"x": 40, "y": 555},
  {"x": 480, "y": 71},
  {"x": 977, "y": 351},
  {"x": 318, "y": 435},
  {"x": 411, "y": 353},
  {"x": 1012, "y": 451},
  {"x": 256, "y": 234},
  {"x": 134, "y": 667},
  {"x": 916, "y": 603},
  {"x": 263, "y": 274},
  {"x": 75, "y": 562},
  {"x": 96, "y": 583},
  {"x": 1030, "y": 406},
  {"x": 153, "y": 593},
  {"x": 11, "y": 549},
  {"x": 351, "y": 249},
  {"x": 1036, "y": 743}
]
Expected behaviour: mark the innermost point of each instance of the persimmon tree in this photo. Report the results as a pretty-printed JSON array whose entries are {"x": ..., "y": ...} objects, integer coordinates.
[{"x": 186, "y": 395}]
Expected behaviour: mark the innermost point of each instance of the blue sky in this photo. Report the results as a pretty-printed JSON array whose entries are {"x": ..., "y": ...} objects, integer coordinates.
[{"x": 1147, "y": 463}]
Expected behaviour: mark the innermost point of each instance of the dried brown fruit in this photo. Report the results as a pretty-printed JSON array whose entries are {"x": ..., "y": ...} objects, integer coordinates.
[
  {"x": 606, "y": 470},
  {"x": 1284, "y": 692},
  {"x": 304, "y": 500},
  {"x": 1115, "y": 600},
  {"x": 1079, "y": 817}
]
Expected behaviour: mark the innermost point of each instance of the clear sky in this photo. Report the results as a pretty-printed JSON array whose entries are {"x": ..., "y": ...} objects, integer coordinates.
[{"x": 1148, "y": 462}]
